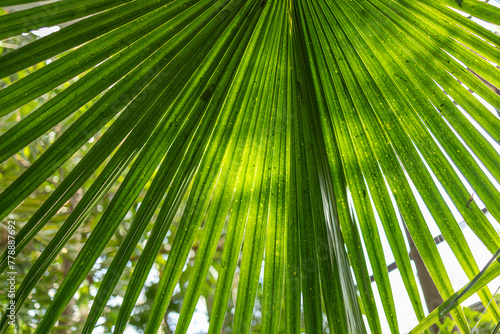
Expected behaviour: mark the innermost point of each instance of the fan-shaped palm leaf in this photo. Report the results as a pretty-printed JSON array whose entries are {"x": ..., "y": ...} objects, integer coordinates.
[{"x": 292, "y": 125}]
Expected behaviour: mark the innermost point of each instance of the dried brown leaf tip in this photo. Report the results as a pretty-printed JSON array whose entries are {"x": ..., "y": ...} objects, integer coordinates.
[{"x": 471, "y": 198}]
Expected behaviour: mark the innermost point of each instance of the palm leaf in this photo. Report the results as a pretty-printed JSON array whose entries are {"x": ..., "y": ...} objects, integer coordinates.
[{"x": 292, "y": 127}]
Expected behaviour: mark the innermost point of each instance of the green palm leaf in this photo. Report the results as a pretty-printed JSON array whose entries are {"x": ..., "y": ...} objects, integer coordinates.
[{"x": 294, "y": 128}]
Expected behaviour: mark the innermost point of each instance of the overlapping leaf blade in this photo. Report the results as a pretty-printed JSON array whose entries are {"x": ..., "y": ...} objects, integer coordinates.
[{"x": 291, "y": 126}]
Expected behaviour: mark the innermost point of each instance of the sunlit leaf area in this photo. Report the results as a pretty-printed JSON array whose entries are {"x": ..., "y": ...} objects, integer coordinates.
[{"x": 249, "y": 166}]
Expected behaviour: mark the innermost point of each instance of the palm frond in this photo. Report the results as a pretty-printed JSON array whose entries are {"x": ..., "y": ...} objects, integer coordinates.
[{"x": 295, "y": 128}]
